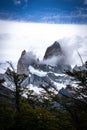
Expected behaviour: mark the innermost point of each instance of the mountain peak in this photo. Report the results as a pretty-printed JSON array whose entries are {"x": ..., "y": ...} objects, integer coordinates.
[
  {"x": 56, "y": 44},
  {"x": 23, "y": 53},
  {"x": 53, "y": 50}
]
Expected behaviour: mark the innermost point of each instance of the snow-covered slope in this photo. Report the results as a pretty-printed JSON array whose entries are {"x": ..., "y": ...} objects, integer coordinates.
[
  {"x": 45, "y": 72},
  {"x": 38, "y": 76}
]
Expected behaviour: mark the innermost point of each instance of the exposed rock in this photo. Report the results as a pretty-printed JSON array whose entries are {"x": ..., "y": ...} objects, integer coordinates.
[
  {"x": 55, "y": 52},
  {"x": 66, "y": 92},
  {"x": 22, "y": 66},
  {"x": 81, "y": 68},
  {"x": 5, "y": 92},
  {"x": 54, "y": 56},
  {"x": 26, "y": 59}
]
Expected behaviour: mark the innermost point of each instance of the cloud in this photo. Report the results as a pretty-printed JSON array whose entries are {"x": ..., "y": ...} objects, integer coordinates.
[
  {"x": 26, "y": 1},
  {"x": 70, "y": 17},
  {"x": 29, "y": 58},
  {"x": 26, "y": 59},
  {"x": 17, "y": 2},
  {"x": 36, "y": 37},
  {"x": 72, "y": 45},
  {"x": 55, "y": 60},
  {"x": 85, "y": 2}
]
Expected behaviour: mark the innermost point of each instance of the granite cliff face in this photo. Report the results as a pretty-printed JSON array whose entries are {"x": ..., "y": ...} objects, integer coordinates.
[
  {"x": 53, "y": 50},
  {"x": 21, "y": 67},
  {"x": 5, "y": 93},
  {"x": 26, "y": 59},
  {"x": 38, "y": 73},
  {"x": 55, "y": 53}
]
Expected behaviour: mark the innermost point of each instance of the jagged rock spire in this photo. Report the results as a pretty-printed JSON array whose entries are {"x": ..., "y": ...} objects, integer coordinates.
[
  {"x": 21, "y": 67},
  {"x": 53, "y": 50},
  {"x": 23, "y": 53}
]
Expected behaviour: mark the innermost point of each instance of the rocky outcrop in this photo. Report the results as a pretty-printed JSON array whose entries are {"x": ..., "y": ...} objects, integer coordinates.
[
  {"x": 26, "y": 59},
  {"x": 22, "y": 67},
  {"x": 54, "y": 56},
  {"x": 6, "y": 92},
  {"x": 53, "y": 50}
]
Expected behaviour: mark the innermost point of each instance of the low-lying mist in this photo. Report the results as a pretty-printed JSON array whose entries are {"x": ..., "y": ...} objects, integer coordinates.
[
  {"x": 36, "y": 37},
  {"x": 73, "y": 47}
]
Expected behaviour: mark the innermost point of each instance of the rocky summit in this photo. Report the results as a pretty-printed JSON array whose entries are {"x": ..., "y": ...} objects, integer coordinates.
[
  {"x": 26, "y": 59},
  {"x": 54, "y": 56},
  {"x": 42, "y": 73},
  {"x": 53, "y": 50},
  {"x": 20, "y": 65}
]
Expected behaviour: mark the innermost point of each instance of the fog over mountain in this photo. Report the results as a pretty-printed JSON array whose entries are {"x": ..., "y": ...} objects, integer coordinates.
[{"x": 36, "y": 37}]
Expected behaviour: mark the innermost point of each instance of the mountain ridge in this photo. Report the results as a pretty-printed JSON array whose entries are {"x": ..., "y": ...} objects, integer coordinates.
[{"x": 44, "y": 72}]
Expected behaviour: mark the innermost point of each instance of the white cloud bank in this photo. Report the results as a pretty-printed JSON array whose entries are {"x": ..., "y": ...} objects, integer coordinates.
[{"x": 17, "y": 36}]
